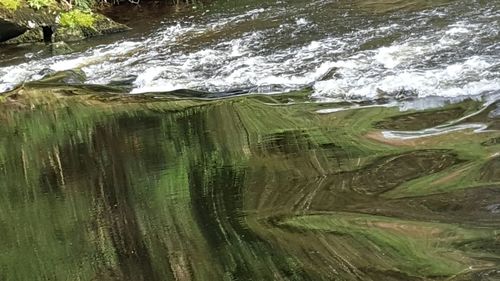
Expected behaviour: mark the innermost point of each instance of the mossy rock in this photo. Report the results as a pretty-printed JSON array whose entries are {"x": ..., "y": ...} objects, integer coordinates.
[
  {"x": 29, "y": 36},
  {"x": 30, "y": 18},
  {"x": 26, "y": 25},
  {"x": 16, "y": 23},
  {"x": 10, "y": 30},
  {"x": 60, "y": 48},
  {"x": 102, "y": 25}
]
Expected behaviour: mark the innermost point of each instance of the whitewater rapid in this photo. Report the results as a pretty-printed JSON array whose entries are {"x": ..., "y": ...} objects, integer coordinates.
[{"x": 449, "y": 51}]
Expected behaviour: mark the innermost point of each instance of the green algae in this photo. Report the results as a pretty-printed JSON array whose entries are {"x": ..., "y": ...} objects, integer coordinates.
[{"x": 97, "y": 185}]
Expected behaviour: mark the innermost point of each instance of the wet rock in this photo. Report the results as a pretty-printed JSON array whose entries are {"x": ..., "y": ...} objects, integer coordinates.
[
  {"x": 29, "y": 19},
  {"x": 10, "y": 30},
  {"x": 102, "y": 26},
  {"x": 45, "y": 72},
  {"x": 60, "y": 48},
  {"x": 491, "y": 142},
  {"x": 420, "y": 120},
  {"x": 74, "y": 76},
  {"x": 331, "y": 74},
  {"x": 30, "y": 36},
  {"x": 26, "y": 19},
  {"x": 26, "y": 25}
]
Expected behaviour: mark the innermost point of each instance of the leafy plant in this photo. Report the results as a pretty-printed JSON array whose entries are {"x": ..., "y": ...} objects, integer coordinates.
[
  {"x": 84, "y": 4},
  {"x": 77, "y": 18},
  {"x": 38, "y": 4},
  {"x": 10, "y": 4}
]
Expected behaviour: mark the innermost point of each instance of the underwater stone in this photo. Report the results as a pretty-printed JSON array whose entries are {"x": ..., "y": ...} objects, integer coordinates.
[{"x": 60, "y": 48}]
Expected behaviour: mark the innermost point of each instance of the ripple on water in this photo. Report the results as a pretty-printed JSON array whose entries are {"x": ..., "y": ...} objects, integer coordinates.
[{"x": 445, "y": 51}]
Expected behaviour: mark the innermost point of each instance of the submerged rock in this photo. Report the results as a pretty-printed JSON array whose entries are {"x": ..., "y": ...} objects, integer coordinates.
[
  {"x": 60, "y": 48},
  {"x": 74, "y": 76}
]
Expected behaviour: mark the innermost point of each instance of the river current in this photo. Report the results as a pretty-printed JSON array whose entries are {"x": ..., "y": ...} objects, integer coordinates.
[
  {"x": 342, "y": 50},
  {"x": 306, "y": 169}
]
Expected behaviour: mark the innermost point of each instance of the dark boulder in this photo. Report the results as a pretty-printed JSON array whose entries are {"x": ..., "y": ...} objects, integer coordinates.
[{"x": 10, "y": 30}]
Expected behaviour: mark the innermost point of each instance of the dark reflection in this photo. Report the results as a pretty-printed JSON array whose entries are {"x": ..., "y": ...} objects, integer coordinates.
[
  {"x": 491, "y": 170},
  {"x": 491, "y": 142},
  {"x": 389, "y": 172},
  {"x": 112, "y": 193},
  {"x": 288, "y": 142},
  {"x": 142, "y": 188},
  {"x": 101, "y": 168},
  {"x": 421, "y": 120}
]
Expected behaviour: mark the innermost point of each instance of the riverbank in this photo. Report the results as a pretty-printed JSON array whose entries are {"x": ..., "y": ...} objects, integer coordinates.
[
  {"x": 49, "y": 21},
  {"x": 32, "y": 21}
]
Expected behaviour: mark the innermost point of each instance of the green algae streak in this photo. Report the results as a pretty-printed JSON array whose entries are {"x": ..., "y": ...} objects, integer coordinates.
[{"x": 101, "y": 186}]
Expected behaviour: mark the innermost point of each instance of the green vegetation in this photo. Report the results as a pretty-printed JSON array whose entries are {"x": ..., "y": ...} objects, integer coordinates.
[
  {"x": 35, "y": 4},
  {"x": 10, "y": 4},
  {"x": 88, "y": 4},
  {"x": 77, "y": 18},
  {"x": 171, "y": 2},
  {"x": 38, "y": 4},
  {"x": 72, "y": 5},
  {"x": 83, "y": 4}
]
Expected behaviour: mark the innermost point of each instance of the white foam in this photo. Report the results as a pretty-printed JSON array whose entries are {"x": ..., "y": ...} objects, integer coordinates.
[
  {"x": 216, "y": 55},
  {"x": 398, "y": 67},
  {"x": 301, "y": 22}
]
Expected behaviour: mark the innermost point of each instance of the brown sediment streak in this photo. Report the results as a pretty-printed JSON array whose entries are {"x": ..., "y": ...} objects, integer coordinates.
[{"x": 451, "y": 176}]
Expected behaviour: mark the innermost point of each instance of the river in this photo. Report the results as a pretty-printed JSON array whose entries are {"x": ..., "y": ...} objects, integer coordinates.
[
  {"x": 257, "y": 140},
  {"x": 351, "y": 50}
]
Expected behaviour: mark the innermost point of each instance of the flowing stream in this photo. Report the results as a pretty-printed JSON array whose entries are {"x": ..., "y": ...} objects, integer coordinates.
[
  {"x": 257, "y": 140},
  {"x": 354, "y": 50}
]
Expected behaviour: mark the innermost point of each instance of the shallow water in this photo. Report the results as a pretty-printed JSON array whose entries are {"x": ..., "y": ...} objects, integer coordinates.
[
  {"x": 392, "y": 175},
  {"x": 342, "y": 49},
  {"x": 98, "y": 186}
]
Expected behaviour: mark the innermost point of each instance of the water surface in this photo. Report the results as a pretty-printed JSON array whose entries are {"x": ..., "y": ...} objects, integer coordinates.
[
  {"x": 342, "y": 49},
  {"x": 256, "y": 140},
  {"x": 101, "y": 187}
]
